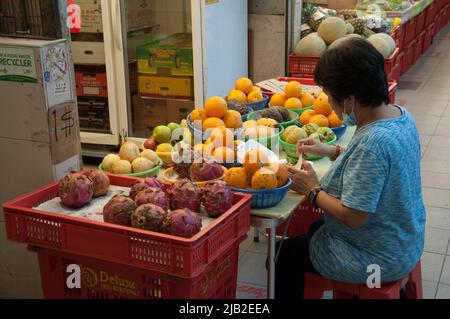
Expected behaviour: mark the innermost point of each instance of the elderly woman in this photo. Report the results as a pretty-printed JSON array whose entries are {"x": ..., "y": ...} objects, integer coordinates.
[{"x": 371, "y": 196}]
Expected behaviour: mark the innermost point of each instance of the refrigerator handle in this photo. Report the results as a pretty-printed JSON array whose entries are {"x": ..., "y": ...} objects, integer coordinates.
[{"x": 116, "y": 24}]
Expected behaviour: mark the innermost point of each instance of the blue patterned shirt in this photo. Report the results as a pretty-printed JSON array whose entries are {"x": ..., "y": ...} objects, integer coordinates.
[{"x": 379, "y": 173}]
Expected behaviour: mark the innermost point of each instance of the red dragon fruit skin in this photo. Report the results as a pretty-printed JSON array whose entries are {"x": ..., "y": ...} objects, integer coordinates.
[
  {"x": 75, "y": 190},
  {"x": 100, "y": 182},
  {"x": 205, "y": 171},
  {"x": 118, "y": 210},
  {"x": 185, "y": 194},
  {"x": 142, "y": 184},
  {"x": 148, "y": 217},
  {"x": 154, "y": 196},
  {"x": 217, "y": 198},
  {"x": 182, "y": 222}
]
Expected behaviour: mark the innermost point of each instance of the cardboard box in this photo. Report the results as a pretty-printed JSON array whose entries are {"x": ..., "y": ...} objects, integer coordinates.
[
  {"x": 148, "y": 113},
  {"x": 163, "y": 86},
  {"x": 178, "y": 110},
  {"x": 91, "y": 81},
  {"x": 94, "y": 114},
  {"x": 84, "y": 52},
  {"x": 173, "y": 53}
]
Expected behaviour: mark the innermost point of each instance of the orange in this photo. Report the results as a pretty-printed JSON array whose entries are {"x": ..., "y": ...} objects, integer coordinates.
[
  {"x": 321, "y": 105},
  {"x": 221, "y": 136},
  {"x": 307, "y": 99},
  {"x": 257, "y": 88},
  {"x": 320, "y": 120},
  {"x": 245, "y": 85},
  {"x": 249, "y": 123},
  {"x": 254, "y": 160},
  {"x": 198, "y": 115},
  {"x": 334, "y": 120},
  {"x": 282, "y": 173},
  {"x": 224, "y": 154},
  {"x": 212, "y": 122},
  {"x": 278, "y": 99},
  {"x": 293, "y": 103},
  {"x": 237, "y": 177},
  {"x": 293, "y": 89},
  {"x": 205, "y": 149},
  {"x": 233, "y": 119},
  {"x": 306, "y": 116},
  {"x": 237, "y": 95},
  {"x": 216, "y": 107},
  {"x": 264, "y": 178},
  {"x": 255, "y": 96}
]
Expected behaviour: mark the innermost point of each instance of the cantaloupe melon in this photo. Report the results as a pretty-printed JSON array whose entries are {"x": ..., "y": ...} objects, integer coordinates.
[
  {"x": 331, "y": 29},
  {"x": 377, "y": 40},
  {"x": 311, "y": 45},
  {"x": 383, "y": 43}
]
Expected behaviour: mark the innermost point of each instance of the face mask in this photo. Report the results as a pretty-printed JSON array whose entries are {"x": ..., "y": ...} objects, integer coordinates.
[{"x": 349, "y": 120}]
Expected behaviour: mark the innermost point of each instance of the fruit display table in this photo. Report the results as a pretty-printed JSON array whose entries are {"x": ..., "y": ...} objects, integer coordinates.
[{"x": 270, "y": 218}]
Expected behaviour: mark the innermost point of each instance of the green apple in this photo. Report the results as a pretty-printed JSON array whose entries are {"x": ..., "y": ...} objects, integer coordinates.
[
  {"x": 311, "y": 128},
  {"x": 318, "y": 137},
  {"x": 162, "y": 134},
  {"x": 173, "y": 126},
  {"x": 327, "y": 132}
]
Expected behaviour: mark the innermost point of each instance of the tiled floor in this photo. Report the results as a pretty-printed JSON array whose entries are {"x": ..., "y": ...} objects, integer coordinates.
[{"x": 425, "y": 91}]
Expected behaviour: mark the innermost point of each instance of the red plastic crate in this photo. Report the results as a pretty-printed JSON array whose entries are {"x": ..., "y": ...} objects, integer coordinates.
[
  {"x": 305, "y": 66},
  {"x": 420, "y": 22},
  {"x": 102, "y": 279},
  {"x": 305, "y": 215},
  {"x": 418, "y": 47},
  {"x": 428, "y": 39},
  {"x": 153, "y": 251},
  {"x": 90, "y": 82},
  {"x": 410, "y": 31},
  {"x": 430, "y": 14},
  {"x": 399, "y": 37},
  {"x": 397, "y": 69},
  {"x": 408, "y": 57}
]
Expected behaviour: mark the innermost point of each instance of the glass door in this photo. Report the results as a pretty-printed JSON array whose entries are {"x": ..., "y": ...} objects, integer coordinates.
[
  {"x": 93, "y": 63},
  {"x": 158, "y": 64}
]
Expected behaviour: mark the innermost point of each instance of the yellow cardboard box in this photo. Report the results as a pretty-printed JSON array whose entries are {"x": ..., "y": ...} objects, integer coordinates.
[{"x": 162, "y": 86}]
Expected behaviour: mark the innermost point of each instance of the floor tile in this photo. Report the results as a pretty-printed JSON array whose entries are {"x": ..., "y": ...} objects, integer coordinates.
[
  {"x": 427, "y": 124},
  {"x": 252, "y": 270},
  {"x": 443, "y": 292},
  {"x": 435, "y": 180},
  {"x": 445, "y": 276},
  {"x": 432, "y": 266},
  {"x": 429, "y": 289},
  {"x": 433, "y": 108},
  {"x": 436, "y": 240},
  {"x": 443, "y": 128},
  {"x": 435, "y": 165},
  {"x": 436, "y": 197},
  {"x": 424, "y": 140},
  {"x": 438, "y": 217}
]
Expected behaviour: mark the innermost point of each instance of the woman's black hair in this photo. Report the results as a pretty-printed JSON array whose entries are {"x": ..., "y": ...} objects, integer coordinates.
[{"x": 353, "y": 67}]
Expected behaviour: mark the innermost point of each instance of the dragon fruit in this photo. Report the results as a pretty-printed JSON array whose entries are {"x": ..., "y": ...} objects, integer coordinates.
[
  {"x": 118, "y": 210},
  {"x": 217, "y": 198},
  {"x": 182, "y": 222},
  {"x": 100, "y": 182},
  {"x": 205, "y": 171},
  {"x": 142, "y": 184},
  {"x": 149, "y": 217},
  {"x": 185, "y": 194},
  {"x": 75, "y": 190},
  {"x": 154, "y": 196}
]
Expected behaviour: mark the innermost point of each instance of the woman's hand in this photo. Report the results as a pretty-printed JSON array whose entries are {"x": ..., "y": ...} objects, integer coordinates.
[
  {"x": 315, "y": 147},
  {"x": 305, "y": 180}
]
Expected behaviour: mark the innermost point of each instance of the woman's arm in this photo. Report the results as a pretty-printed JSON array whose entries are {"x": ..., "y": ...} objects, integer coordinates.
[
  {"x": 317, "y": 148},
  {"x": 306, "y": 180},
  {"x": 352, "y": 218}
]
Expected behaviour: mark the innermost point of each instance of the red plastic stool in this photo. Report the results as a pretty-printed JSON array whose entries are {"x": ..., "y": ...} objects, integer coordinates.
[{"x": 316, "y": 285}]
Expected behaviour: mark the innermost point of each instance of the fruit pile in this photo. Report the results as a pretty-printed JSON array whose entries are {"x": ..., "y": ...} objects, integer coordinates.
[
  {"x": 322, "y": 114},
  {"x": 245, "y": 92},
  {"x": 257, "y": 173},
  {"x": 130, "y": 160},
  {"x": 174, "y": 211},
  {"x": 261, "y": 128},
  {"x": 293, "y": 97},
  {"x": 77, "y": 189},
  {"x": 293, "y": 134}
]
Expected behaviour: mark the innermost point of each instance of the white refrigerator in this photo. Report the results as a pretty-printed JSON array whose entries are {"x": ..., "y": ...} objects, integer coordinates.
[{"x": 110, "y": 85}]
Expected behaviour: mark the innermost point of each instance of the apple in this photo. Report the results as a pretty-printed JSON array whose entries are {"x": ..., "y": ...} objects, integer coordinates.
[{"x": 151, "y": 144}]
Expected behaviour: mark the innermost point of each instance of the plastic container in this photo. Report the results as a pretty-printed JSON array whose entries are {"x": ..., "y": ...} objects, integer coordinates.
[
  {"x": 408, "y": 58},
  {"x": 169, "y": 177},
  {"x": 260, "y": 105},
  {"x": 420, "y": 22},
  {"x": 430, "y": 14},
  {"x": 205, "y": 135},
  {"x": 339, "y": 131},
  {"x": 265, "y": 198},
  {"x": 397, "y": 69},
  {"x": 418, "y": 47},
  {"x": 300, "y": 110},
  {"x": 428, "y": 39},
  {"x": 392, "y": 91},
  {"x": 166, "y": 254},
  {"x": 267, "y": 141},
  {"x": 153, "y": 172},
  {"x": 305, "y": 215},
  {"x": 293, "y": 121},
  {"x": 389, "y": 63},
  {"x": 399, "y": 37},
  {"x": 291, "y": 150},
  {"x": 108, "y": 280},
  {"x": 410, "y": 31}
]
